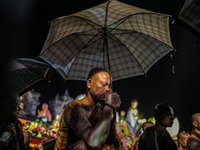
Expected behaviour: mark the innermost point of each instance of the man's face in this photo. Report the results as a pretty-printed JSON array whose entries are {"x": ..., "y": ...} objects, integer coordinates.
[
  {"x": 168, "y": 118},
  {"x": 99, "y": 86}
]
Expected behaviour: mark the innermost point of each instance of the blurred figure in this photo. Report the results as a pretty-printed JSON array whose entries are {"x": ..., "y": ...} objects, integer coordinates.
[
  {"x": 182, "y": 140},
  {"x": 144, "y": 126},
  {"x": 40, "y": 146},
  {"x": 56, "y": 122},
  {"x": 11, "y": 133},
  {"x": 194, "y": 139},
  {"x": 157, "y": 137},
  {"x": 27, "y": 139}
]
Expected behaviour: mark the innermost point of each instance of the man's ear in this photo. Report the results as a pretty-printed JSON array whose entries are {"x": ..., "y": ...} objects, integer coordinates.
[
  {"x": 89, "y": 81},
  {"x": 195, "y": 123}
]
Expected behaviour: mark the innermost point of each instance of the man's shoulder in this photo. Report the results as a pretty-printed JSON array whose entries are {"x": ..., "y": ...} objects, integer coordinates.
[
  {"x": 193, "y": 143},
  {"x": 73, "y": 104}
]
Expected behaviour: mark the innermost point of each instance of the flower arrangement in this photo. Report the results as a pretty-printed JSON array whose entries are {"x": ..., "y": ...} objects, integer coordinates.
[
  {"x": 123, "y": 140},
  {"x": 41, "y": 131},
  {"x": 44, "y": 113},
  {"x": 40, "y": 128}
]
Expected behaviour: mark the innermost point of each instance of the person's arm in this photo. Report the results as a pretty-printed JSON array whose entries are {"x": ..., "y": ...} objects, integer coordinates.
[
  {"x": 114, "y": 141},
  {"x": 96, "y": 136},
  {"x": 8, "y": 132}
]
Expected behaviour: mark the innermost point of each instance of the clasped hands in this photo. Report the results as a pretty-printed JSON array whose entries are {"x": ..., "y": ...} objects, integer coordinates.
[{"x": 113, "y": 99}]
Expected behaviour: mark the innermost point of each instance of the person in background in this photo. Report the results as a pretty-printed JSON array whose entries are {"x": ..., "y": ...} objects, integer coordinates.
[
  {"x": 193, "y": 142},
  {"x": 157, "y": 137},
  {"x": 144, "y": 126},
  {"x": 11, "y": 133},
  {"x": 27, "y": 139},
  {"x": 182, "y": 140},
  {"x": 84, "y": 124},
  {"x": 40, "y": 146}
]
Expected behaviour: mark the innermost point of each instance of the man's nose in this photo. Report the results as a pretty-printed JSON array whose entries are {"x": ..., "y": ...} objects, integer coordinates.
[{"x": 107, "y": 89}]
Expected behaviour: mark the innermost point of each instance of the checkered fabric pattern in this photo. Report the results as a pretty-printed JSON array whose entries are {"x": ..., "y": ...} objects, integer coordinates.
[
  {"x": 136, "y": 40},
  {"x": 24, "y": 74},
  {"x": 190, "y": 14}
]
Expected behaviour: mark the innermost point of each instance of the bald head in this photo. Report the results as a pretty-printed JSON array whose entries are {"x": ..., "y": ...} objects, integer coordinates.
[
  {"x": 98, "y": 84},
  {"x": 182, "y": 139},
  {"x": 196, "y": 121},
  {"x": 195, "y": 117},
  {"x": 182, "y": 134},
  {"x": 95, "y": 71}
]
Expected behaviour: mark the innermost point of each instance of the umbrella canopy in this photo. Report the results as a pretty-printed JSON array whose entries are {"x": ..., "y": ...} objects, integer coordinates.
[
  {"x": 190, "y": 14},
  {"x": 123, "y": 39},
  {"x": 25, "y": 74}
]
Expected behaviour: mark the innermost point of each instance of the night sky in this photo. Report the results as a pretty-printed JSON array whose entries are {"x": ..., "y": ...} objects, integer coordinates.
[{"x": 24, "y": 28}]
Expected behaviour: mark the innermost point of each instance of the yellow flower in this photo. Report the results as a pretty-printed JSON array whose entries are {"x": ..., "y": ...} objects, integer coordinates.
[
  {"x": 39, "y": 135},
  {"x": 31, "y": 127}
]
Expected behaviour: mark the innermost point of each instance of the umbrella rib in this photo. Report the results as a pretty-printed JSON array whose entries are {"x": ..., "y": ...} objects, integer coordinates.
[
  {"x": 118, "y": 41},
  {"x": 125, "y": 18},
  {"x": 137, "y": 32},
  {"x": 86, "y": 45}
]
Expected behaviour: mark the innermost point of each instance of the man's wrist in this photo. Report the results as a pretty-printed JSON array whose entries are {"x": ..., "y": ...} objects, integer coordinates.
[{"x": 114, "y": 109}]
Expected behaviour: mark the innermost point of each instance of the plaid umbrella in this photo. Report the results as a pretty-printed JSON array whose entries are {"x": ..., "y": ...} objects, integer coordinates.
[
  {"x": 190, "y": 14},
  {"x": 25, "y": 74},
  {"x": 123, "y": 39}
]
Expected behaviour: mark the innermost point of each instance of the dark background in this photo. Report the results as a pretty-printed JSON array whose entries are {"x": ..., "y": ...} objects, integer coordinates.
[{"x": 24, "y": 28}]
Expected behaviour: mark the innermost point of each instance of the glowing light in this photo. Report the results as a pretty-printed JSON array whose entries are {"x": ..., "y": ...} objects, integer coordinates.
[{"x": 173, "y": 131}]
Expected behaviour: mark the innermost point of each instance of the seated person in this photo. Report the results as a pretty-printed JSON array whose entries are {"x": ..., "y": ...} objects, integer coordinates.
[
  {"x": 193, "y": 142},
  {"x": 84, "y": 124},
  {"x": 11, "y": 133},
  {"x": 182, "y": 140},
  {"x": 157, "y": 137}
]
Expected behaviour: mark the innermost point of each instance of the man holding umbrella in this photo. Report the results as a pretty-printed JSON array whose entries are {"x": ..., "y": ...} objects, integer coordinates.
[{"x": 84, "y": 124}]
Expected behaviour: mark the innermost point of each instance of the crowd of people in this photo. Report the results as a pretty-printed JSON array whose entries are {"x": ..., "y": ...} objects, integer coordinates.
[{"x": 90, "y": 123}]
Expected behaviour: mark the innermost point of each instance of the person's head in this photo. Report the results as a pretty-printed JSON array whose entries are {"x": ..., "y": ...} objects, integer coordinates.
[
  {"x": 27, "y": 137},
  {"x": 11, "y": 102},
  {"x": 182, "y": 139},
  {"x": 164, "y": 115},
  {"x": 40, "y": 146},
  {"x": 98, "y": 84},
  {"x": 196, "y": 121},
  {"x": 147, "y": 124}
]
